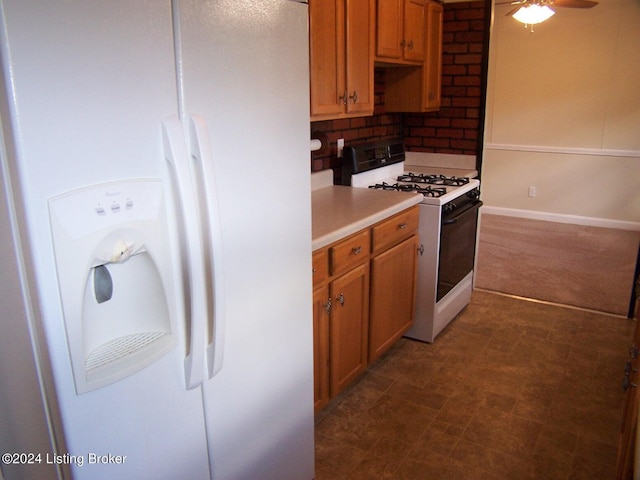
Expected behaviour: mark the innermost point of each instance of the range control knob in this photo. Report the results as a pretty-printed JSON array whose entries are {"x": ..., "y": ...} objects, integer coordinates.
[
  {"x": 448, "y": 208},
  {"x": 475, "y": 193}
]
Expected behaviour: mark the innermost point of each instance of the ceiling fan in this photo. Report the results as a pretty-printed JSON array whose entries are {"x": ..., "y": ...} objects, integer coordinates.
[{"x": 531, "y": 12}]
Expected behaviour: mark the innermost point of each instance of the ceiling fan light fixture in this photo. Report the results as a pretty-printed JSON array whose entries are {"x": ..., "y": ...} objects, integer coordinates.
[{"x": 532, "y": 14}]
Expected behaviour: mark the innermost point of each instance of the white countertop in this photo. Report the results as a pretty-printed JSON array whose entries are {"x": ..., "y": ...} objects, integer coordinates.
[{"x": 339, "y": 211}]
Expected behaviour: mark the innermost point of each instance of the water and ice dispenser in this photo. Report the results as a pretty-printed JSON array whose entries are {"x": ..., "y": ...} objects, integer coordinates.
[{"x": 112, "y": 253}]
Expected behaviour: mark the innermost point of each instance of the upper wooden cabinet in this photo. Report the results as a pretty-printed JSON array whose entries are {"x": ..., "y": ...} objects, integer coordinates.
[
  {"x": 400, "y": 28},
  {"x": 432, "y": 75},
  {"x": 341, "y": 58},
  {"x": 417, "y": 89}
]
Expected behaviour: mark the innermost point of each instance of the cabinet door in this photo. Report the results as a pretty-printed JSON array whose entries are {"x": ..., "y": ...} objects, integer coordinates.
[
  {"x": 321, "y": 347},
  {"x": 320, "y": 264},
  {"x": 414, "y": 18},
  {"x": 389, "y": 34},
  {"x": 349, "y": 327},
  {"x": 359, "y": 55},
  {"x": 627, "y": 439},
  {"x": 393, "y": 277},
  {"x": 432, "y": 69},
  {"x": 326, "y": 56}
]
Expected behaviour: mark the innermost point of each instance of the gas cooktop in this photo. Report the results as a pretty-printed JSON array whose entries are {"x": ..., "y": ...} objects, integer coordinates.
[{"x": 382, "y": 166}]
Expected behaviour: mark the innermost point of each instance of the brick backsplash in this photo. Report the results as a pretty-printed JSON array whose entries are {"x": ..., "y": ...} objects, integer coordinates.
[{"x": 456, "y": 127}]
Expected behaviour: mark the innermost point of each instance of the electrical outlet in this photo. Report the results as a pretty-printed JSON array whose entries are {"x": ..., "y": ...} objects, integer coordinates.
[
  {"x": 533, "y": 191},
  {"x": 340, "y": 147}
]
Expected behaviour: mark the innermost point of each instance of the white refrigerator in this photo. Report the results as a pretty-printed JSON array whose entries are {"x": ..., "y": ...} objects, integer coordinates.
[{"x": 156, "y": 217}]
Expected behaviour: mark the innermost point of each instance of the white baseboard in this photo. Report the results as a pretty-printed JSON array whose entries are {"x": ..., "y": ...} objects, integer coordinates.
[{"x": 561, "y": 218}]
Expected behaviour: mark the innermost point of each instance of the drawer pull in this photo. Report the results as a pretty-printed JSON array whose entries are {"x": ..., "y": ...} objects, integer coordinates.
[
  {"x": 402, "y": 226},
  {"x": 356, "y": 250},
  {"x": 626, "y": 384},
  {"x": 341, "y": 299}
]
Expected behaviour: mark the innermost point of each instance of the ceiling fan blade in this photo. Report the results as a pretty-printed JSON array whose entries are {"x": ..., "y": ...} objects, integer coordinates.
[
  {"x": 574, "y": 3},
  {"x": 511, "y": 3}
]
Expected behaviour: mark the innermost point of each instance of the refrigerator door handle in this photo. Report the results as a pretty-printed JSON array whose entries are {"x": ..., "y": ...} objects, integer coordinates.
[
  {"x": 212, "y": 238},
  {"x": 175, "y": 151}
]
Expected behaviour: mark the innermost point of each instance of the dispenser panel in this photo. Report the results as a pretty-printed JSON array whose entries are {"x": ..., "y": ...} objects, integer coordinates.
[
  {"x": 103, "y": 206},
  {"x": 113, "y": 262}
]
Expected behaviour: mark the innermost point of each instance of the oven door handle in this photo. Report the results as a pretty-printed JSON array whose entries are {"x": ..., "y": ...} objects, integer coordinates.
[{"x": 471, "y": 206}]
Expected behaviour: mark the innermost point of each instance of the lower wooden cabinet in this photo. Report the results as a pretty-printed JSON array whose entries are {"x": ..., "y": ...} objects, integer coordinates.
[
  {"x": 321, "y": 305},
  {"x": 393, "y": 274},
  {"x": 340, "y": 315},
  {"x": 363, "y": 301},
  {"x": 349, "y": 327}
]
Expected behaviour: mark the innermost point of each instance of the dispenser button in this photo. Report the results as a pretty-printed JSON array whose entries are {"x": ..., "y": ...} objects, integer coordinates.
[
  {"x": 115, "y": 207},
  {"x": 129, "y": 204},
  {"x": 100, "y": 210}
]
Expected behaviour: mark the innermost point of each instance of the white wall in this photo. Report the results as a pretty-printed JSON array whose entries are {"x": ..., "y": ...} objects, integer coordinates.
[{"x": 563, "y": 114}]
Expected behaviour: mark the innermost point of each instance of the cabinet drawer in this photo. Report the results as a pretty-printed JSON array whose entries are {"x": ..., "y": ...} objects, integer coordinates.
[
  {"x": 350, "y": 252},
  {"x": 396, "y": 228},
  {"x": 320, "y": 267}
]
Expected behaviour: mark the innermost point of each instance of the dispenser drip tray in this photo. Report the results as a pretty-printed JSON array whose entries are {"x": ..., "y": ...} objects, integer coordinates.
[{"x": 111, "y": 357}]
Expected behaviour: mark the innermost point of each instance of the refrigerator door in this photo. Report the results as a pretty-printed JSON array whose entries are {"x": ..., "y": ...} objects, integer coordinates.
[
  {"x": 244, "y": 69},
  {"x": 88, "y": 85},
  {"x": 25, "y": 420}
]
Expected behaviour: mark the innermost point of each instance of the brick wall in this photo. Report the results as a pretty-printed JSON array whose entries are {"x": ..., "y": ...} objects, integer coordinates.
[{"x": 455, "y": 128}]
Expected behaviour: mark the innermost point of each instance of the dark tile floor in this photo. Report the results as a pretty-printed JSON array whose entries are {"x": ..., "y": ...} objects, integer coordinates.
[{"x": 512, "y": 389}]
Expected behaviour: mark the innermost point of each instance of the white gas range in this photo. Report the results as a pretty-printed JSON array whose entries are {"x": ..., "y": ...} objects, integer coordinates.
[{"x": 448, "y": 222}]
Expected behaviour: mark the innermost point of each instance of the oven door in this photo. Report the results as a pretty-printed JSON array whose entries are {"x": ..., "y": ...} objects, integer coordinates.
[{"x": 457, "y": 246}]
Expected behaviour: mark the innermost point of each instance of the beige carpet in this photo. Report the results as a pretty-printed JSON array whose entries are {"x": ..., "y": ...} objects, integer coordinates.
[{"x": 587, "y": 267}]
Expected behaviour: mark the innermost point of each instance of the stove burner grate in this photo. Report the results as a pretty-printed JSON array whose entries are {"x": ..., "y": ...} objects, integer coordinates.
[
  {"x": 385, "y": 186},
  {"x": 427, "y": 191},
  {"x": 433, "y": 179}
]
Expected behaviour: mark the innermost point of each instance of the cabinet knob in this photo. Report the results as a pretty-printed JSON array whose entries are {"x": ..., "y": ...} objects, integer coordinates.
[
  {"x": 421, "y": 249},
  {"x": 402, "y": 226},
  {"x": 341, "y": 299},
  {"x": 343, "y": 98},
  {"x": 354, "y": 97},
  {"x": 628, "y": 368},
  {"x": 410, "y": 45},
  {"x": 356, "y": 250},
  {"x": 626, "y": 384}
]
